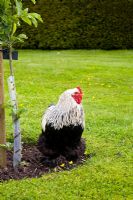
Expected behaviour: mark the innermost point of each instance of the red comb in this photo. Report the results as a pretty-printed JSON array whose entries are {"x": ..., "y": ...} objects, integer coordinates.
[{"x": 79, "y": 89}]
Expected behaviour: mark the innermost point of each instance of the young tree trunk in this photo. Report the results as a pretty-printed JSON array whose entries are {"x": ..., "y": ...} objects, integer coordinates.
[
  {"x": 17, "y": 134},
  {"x": 2, "y": 115}
]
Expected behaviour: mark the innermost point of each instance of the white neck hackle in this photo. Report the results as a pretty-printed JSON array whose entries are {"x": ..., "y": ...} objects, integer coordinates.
[{"x": 66, "y": 112}]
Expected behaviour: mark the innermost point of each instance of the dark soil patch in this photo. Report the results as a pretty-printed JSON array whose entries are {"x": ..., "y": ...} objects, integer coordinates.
[{"x": 35, "y": 165}]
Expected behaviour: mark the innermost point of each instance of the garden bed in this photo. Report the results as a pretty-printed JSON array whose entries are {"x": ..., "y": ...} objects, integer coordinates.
[{"x": 35, "y": 165}]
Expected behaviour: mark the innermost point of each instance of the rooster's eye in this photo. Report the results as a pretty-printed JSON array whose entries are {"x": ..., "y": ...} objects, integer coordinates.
[{"x": 76, "y": 93}]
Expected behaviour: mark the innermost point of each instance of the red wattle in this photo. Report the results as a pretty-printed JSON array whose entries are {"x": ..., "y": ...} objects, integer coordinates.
[{"x": 77, "y": 98}]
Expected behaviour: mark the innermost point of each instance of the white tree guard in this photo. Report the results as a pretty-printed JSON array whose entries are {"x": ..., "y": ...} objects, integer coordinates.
[{"x": 16, "y": 124}]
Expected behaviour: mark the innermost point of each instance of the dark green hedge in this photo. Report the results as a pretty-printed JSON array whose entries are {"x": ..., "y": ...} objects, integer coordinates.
[{"x": 89, "y": 24}]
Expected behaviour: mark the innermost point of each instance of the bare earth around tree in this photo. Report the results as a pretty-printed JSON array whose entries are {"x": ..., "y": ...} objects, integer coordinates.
[{"x": 35, "y": 165}]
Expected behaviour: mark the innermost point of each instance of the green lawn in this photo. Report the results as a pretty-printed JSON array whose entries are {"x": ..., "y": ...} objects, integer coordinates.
[{"x": 106, "y": 78}]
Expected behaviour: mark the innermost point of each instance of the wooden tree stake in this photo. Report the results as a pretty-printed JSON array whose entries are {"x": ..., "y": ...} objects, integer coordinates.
[{"x": 2, "y": 115}]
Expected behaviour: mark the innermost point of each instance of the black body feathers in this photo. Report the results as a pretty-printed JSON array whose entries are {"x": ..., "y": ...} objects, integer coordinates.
[{"x": 66, "y": 141}]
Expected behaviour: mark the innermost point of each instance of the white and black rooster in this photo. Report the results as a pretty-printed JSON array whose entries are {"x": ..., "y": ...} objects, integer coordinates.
[{"x": 62, "y": 127}]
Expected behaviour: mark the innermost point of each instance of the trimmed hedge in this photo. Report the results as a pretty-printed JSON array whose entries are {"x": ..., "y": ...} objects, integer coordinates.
[{"x": 81, "y": 24}]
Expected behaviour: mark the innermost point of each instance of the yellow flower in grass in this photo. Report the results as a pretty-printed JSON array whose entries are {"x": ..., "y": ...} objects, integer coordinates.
[
  {"x": 62, "y": 165},
  {"x": 93, "y": 97},
  {"x": 71, "y": 162}
]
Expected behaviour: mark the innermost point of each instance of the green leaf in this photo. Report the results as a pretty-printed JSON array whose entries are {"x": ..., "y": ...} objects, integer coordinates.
[
  {"x": 22, "y": 36},
  {"x": 26, "y": 10},
  {"x": 26, "y": 19},
  {"x": 37, "y": 16},
  {"x": 34, "y": 21},
  {"x": 18, "y": 7},
  {"x": 33, "y": 1},
  {"x": 14, "y": 28},
  {"x": 8, "y": 146},
  {"x": 19, "y": 38}
]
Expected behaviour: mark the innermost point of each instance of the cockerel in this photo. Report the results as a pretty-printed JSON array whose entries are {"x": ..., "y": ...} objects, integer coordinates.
[{"x": 62, "y": 127}]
